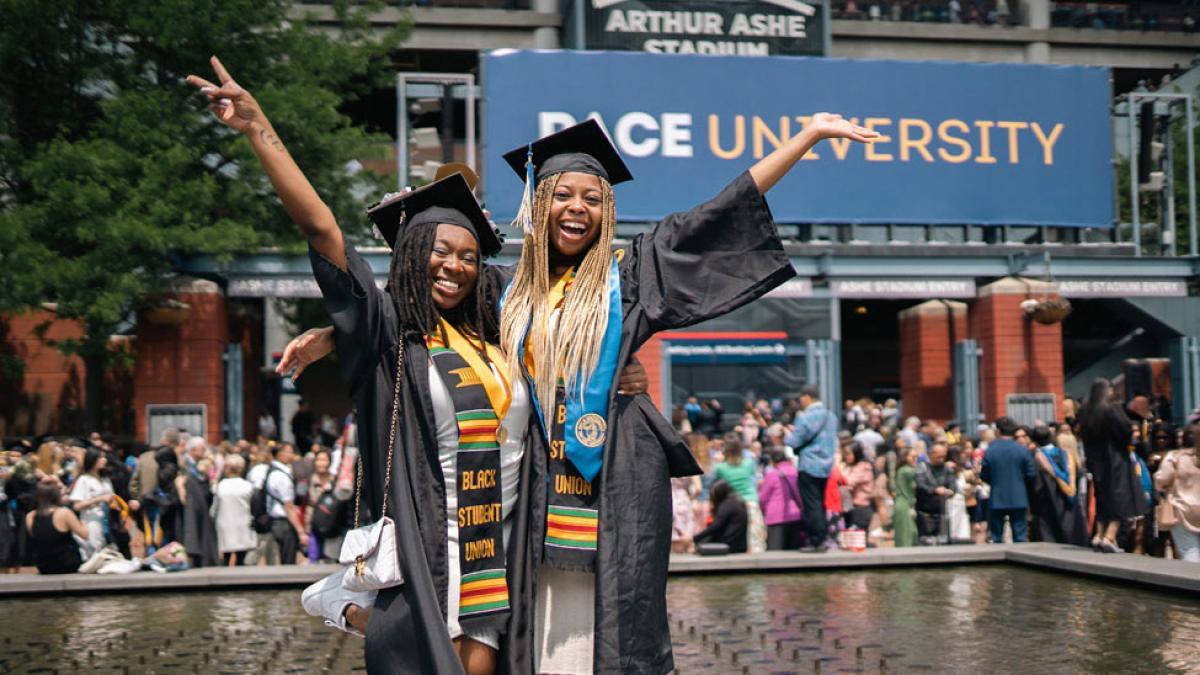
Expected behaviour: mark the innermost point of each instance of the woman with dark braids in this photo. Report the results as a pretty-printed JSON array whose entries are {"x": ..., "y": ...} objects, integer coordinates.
[
  {"x": 460, "y": 440},
  {"x": 459, "y": 456},
  {"x": 575, "y": 309}
]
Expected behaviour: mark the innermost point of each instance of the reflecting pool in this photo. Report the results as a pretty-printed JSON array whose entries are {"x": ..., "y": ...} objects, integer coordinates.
[{"x": 944, "y": 619}]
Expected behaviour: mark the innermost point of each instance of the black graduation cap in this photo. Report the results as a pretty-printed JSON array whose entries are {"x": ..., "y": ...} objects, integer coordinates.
[
  {"x": 448, "y": 200},
  {"x": 584, "y": 148}
]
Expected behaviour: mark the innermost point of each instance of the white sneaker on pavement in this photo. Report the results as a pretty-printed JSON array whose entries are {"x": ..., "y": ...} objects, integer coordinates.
[{"x": 328, "y": 600}]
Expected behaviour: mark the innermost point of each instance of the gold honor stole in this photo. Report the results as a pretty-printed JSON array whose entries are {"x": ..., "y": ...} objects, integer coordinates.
[{"x": 481, "y": 397}]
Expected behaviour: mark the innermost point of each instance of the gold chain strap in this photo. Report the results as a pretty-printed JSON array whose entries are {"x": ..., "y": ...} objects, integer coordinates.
[{"x": 387, "y": 480}]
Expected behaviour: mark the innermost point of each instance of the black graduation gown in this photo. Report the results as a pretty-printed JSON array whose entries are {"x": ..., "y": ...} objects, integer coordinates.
[
  {"x": 194, "y": 524},
  {"x": 1055, "y": 517},
  {"x": 693, "y": 266},
  {"x": 1106, "y": 435},
  {"x": 407, "y": 630}
]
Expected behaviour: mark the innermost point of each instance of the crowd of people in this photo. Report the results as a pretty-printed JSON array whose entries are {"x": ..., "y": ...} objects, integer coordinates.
[
  {"x": 70, "y": 505},
  {"x": 795, "y": 475},
  {"x": 790, "y": 475},
  {"x": 1103, "y": 16},
  {"x": 1124, "y": 16},
  {"x": 979, "y": 12}
]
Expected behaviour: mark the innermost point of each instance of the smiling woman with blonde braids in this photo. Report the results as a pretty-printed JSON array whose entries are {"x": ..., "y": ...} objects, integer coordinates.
[{"x": 575, "y": 310}]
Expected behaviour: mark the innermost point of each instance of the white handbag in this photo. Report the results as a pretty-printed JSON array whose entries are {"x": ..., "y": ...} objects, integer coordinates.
[{"x": 369, "y": 552}]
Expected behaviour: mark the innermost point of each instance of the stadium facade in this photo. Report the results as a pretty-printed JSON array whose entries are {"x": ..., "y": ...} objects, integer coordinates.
[{"x": 948, "y": 300}]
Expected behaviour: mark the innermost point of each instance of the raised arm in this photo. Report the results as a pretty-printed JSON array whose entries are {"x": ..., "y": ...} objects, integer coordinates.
[
  {"x": 725, "y": 252},
  {"x": 237, "y": 109},
  {"x": 305, "y": 349},
  {"x": 313, "y": 344},
  {"x": 767, "y": 172}
]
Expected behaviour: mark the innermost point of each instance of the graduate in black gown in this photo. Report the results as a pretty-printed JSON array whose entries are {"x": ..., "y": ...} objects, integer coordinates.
[
  {"x": 1058, "y": 514},
  {"x": 437, "y": 304},
  {"x": 1107, "y": 435},
  {"x": 576, "y": 308}
]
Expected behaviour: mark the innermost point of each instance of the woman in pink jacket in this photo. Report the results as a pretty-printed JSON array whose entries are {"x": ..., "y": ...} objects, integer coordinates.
[{"x": 779, "y": 498}]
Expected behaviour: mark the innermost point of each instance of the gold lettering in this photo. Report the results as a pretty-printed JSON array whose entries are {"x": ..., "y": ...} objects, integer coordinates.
[
  {"x": 907, "y": 142},
  {"x": 985, "y": 142},
  {"x": 469, "y": 516},
  {"x": 562, "y": 415},
  {"x": 841, "y": 146},
  {"x": 557, "y": 449},
  {"x": 803, "y": 121},
  {"x": 1047, "y": 142},
  {"x": 1012, "y": 128},
  {"x": 943, "y": 133},
  {"x": 479, "y": 480},
  {"x": 479, "y": 550},
  {"x": 572, "y": 485},
  {"x": 872, "y": 155},
  {"x": 761, "y": 131},
  {"x": 714, "y": 137}
]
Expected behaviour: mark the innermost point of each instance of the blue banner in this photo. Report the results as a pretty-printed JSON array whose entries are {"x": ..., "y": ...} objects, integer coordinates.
[{"x": 991, "y": 144}]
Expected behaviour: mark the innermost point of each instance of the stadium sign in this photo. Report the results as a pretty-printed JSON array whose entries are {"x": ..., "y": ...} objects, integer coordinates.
[{"x": 738, "y": 28}]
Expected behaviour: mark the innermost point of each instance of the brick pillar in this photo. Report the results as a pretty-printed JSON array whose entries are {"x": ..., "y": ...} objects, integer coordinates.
[
  {"x": 48, "y": 395},
  {"x": 1020, "y": 356},
  {"x": 183, "y": 363},
  {"x": 927, "y": 338},
  {"x": 650, "y": 355}
]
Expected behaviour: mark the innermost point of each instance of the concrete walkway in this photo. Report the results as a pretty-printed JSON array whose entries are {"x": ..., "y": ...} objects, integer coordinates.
[{"x": 1172, "y": 575}]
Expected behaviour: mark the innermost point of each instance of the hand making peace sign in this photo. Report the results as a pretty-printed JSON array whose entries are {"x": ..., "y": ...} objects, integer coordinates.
[{"x": 232, "y": 105}]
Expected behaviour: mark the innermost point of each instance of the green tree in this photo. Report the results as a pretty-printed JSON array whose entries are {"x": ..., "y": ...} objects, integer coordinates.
[
  {"x": 111, "y": 166},
  {"x": 1150, "y": 203}
]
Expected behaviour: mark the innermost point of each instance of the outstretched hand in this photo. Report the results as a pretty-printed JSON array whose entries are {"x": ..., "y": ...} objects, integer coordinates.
[
  {"x": 305, "y": 349},
  {"x": 833, "y": 125},
  {"x": 229, "y": 102}
]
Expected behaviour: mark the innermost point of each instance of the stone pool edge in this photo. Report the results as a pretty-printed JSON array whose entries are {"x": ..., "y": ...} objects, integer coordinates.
[{"x": 1169, "y": 575}]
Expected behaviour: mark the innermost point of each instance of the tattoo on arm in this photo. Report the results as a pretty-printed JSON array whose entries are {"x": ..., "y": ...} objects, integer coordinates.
[{"x": 270, "y": 139}]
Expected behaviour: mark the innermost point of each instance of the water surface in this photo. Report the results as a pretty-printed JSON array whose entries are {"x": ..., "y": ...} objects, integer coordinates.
[{"x": 978, "y": 619}]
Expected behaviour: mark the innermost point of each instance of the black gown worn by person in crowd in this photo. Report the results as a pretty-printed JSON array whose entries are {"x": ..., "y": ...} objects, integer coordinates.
[
  {"x": 1106, "y": 434},
  {"x": 1055, "y": 517},
  {"x": 691, "y": 267}
]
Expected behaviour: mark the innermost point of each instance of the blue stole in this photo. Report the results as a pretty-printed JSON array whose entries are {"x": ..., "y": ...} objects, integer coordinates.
[{"x": 585, "y": 429}]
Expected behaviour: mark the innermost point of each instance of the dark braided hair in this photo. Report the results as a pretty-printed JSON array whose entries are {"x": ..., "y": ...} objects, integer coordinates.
[{"x": 411, "y": 289}]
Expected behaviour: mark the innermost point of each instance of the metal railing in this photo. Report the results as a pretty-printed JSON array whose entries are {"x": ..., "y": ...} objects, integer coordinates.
[{"x": 1133, "y": 98}]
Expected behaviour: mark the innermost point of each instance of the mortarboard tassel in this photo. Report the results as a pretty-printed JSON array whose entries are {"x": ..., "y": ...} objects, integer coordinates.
[{"x": 524, "y": 219}]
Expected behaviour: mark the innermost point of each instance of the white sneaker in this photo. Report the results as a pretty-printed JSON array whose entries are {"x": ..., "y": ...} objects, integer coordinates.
[{"x": 328, "y": 600}]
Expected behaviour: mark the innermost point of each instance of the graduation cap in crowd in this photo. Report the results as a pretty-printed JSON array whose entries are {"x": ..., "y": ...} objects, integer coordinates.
[
  {"x": 583, "y": 148},
  {"x": 448, "y": 200}
]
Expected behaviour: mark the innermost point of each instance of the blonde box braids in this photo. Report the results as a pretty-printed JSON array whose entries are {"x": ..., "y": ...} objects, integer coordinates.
[{"x": 573, "y": 350}]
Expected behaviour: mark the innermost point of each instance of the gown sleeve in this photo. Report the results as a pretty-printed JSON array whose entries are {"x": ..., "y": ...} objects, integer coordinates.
[
  {"x": 364, "y": 318},
  {"x": 708, "y": 261}
]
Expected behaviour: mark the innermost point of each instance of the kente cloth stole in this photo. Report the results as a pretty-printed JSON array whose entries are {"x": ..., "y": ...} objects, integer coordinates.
[
  {"x": 481, "y": 398},
  {"x": 576, "y": 438}
]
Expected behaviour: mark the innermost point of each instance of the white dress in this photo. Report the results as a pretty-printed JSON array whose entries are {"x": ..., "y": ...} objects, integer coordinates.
[
  {"x": 959, "y": 523},
  {"x": 88, "y": 487},
  {"x": 565, "y": 622},
  {"x": 231, "y": 508}
]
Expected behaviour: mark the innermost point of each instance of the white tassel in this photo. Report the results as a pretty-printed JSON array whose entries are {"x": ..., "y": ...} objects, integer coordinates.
[{"x": 524, "y": 219}]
